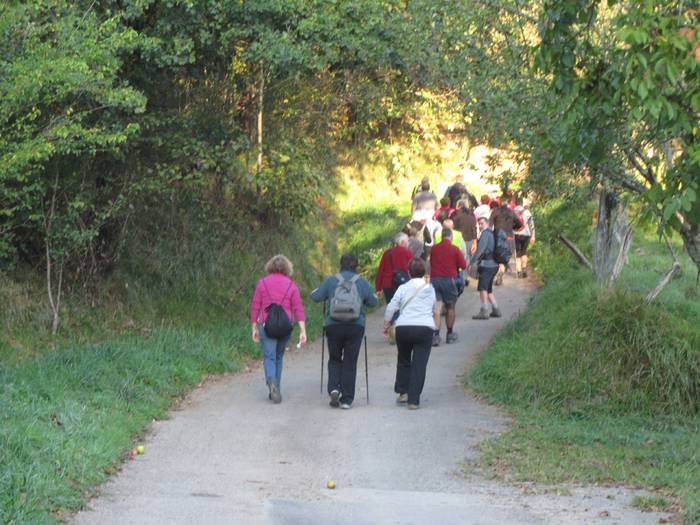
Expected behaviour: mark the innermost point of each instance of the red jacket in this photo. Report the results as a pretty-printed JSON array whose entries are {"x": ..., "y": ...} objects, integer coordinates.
[
  {"x": 393, "y": 259},
  {"x": 446, "y": 259}
]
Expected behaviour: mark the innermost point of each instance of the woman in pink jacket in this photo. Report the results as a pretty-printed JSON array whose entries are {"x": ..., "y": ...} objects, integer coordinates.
[{"x": 276, "y": 287}]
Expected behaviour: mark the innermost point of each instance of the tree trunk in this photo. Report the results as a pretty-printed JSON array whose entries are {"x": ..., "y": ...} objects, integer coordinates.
[
  {"x": 691, "y": 240},
  {"x": 261, "y": 102},
  {"x": 613, "y": 238}
]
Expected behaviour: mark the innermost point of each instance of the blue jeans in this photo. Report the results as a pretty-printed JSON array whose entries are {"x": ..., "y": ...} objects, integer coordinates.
[{"x": 273, "y": 355}]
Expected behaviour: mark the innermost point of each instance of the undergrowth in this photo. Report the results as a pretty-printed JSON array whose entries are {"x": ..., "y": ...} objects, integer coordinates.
[{"x": 604, "y": 388}]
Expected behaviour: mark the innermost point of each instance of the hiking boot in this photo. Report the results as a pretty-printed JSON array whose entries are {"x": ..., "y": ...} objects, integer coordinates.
[
  {"x": 345, "y": 406},
  {"x": 411, "y": 406},
  {"x": 436, "y": 340},
  {"x": 275, "y": 395},
  {"x": 499, "y": 279},
  {"x": 403, "y": 398},
  {"x": 495, "y": 312},
  {"x": 451, "y": 338},
  {"x": 335, "y": 398},
  {"x": 520, "y": 275},
  {"x": 483, "y": 314},
  {"x": 525, "y": 273}
]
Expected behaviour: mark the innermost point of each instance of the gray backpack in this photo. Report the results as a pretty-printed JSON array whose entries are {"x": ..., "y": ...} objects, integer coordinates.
[{"x": 346, "y": 303}]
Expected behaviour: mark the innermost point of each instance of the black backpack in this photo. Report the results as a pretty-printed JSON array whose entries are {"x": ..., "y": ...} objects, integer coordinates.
[
  {"x": 277, "y": 323},
  {"x": 501, "y": 251},
  {"x": 399, "y": 277}
]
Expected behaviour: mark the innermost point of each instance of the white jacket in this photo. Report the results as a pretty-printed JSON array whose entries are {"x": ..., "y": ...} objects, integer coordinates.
[{"x": 416, "y": 312}]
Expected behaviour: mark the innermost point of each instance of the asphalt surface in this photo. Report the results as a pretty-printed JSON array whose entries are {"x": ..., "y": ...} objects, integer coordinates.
[{"x": 227, "y": 455}]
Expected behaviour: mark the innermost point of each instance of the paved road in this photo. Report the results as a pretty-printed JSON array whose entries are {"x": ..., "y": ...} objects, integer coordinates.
[{"x": 229, "y": 456}]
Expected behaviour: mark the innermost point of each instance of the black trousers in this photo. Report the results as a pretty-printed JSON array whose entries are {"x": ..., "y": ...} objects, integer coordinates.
[
  {"x": 344, "y": 342},
  {"x": 414, "y": 344}
]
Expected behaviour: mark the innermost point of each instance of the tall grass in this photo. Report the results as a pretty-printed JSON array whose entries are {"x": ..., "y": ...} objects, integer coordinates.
[{"x": 69, "y": 417}]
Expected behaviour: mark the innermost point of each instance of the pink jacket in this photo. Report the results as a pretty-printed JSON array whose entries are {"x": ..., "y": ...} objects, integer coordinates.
[{"x": 272, "y": 289}]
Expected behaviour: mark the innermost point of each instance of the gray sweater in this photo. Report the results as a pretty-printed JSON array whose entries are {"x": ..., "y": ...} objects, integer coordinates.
[
  {"x": 327, "y": 290},
  {"x": 483, "y": 256}
]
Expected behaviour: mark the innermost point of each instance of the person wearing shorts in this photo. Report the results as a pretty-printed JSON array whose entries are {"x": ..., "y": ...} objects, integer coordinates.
[
  {"x": 523, "y": 237},
  {"x": 487, "y": 270},
  {"x": 445, "y": 261}
]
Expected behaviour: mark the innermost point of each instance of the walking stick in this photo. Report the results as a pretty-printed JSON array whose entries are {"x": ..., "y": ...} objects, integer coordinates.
[
  {"x": 323, "y": 350},
  {"x": 323, "y": 343},
  {"x": 366, "y": 372}
]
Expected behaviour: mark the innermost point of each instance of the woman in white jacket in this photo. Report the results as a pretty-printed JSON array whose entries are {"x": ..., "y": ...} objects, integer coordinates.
[{"x": 415, "y": 302}]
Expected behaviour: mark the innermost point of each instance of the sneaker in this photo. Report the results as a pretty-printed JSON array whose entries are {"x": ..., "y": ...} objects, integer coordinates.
[
  {"x": 345, "y": 406},
  {"x": 499, "y": 279},
  {"x": 335, "y": 398},
  {"x": 495, "y": 312},
  {"x": 436, "y": 340},
  {"x": 451, "y": 338},
  {"x": 275, "y": 395},
  {"x": 403, "y": 398},
  {"x": 483, "y": 314},
  {"x": 411, "y": 406}
]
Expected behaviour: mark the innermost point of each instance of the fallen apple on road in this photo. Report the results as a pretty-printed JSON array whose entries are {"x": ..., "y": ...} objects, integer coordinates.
[
  {"x": 140, "y": 449},
  {"x": 133, "y": 452},
  {"x": 330, "y": 484}
]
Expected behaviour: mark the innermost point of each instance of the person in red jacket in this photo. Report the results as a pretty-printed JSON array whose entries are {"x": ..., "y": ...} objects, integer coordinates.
[
  {"x": 393, "y": 268},
  {"x": 445, "y": 261}
]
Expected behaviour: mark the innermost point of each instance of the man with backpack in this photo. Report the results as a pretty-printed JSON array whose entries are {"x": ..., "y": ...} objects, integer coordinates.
[
  {"x": 503, "y": 218},
  {"x": 485, "y": 258},
  {"x": 393, "y": 268},
  {"x": 347, "y": 294}
]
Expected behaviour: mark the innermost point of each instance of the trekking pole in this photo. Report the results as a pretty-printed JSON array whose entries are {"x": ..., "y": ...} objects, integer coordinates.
[
  {"x": 366, "y": 372},
  {"x": 323, "y": 343},
  {"x": 323, "y": 349}
]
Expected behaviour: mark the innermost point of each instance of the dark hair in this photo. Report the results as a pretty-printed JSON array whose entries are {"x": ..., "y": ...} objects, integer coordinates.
[
  {"x": 485, "y": 199},
  {"x": 348, "y": 263},
  {"x": 445, "y": 201},
  {"x": 425, "y": 184},
  {"x": 416, "y": 267},
  {"x": 446, "y": 233}
]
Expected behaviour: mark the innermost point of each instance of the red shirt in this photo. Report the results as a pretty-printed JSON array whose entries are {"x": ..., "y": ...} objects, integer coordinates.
[
  {"x": 446, "y": 259},
  {"x": 393, "y": 259}
]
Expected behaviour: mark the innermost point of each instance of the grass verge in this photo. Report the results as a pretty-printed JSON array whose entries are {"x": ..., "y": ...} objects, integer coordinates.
[{"x": 603, "y": 389}]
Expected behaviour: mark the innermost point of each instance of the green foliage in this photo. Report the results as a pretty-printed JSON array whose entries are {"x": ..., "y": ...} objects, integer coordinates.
[
  {"x": 64, "y": 111},
  {"x": 627, "y": 79}
]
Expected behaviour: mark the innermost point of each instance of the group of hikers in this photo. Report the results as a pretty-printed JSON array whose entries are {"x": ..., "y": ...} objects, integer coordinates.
[{"x": 443, "y": 245}]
